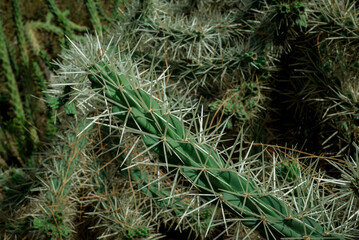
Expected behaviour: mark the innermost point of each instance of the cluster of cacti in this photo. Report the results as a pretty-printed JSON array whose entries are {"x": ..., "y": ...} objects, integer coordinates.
[{"x": 158, "y": 119}]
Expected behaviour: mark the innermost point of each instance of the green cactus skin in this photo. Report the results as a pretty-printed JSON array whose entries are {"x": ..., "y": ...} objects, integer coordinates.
[{"x": 200, "y": 163}]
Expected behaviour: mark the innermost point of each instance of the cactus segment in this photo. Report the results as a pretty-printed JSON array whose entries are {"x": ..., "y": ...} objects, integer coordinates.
[
  {"x": 61, "y": 185},
  {"x": 199, "y": 163}
]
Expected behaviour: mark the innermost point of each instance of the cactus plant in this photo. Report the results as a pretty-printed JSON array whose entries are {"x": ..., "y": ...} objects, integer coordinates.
[
  {"x": 200, "y": 163},
  {"x": 165, "y": 134},
  {"x": 155, "y": 162},
  {"x": 53, "y": 219},
  {"x": 62, "y": 20},
  {"x": 24, "y": 56},
  {"x": 145, "y": 111}
]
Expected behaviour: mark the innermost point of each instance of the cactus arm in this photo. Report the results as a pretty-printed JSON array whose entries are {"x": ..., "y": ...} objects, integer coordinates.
[
  {"x": 54, "y": 218},
  {"x": 200, "y": 163}
]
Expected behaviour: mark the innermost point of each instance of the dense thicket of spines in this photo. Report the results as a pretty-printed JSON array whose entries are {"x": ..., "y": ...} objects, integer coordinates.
[
  {"x": 16, "y": 184},
  {"x": 141, "y": 103},
  {"x": 142, "y": 115},
  {"x": 153, "y": 121},
  {"x": 337, "y": 72},
  {"x": 205, "y": 50},
  {"x": 318, "y": 79},
  {"x": 205, "y": 47},
  {"x": 122, "y": 212},
  {"x": 169, "y": 196},
  {"x": 61, "y": 184}
]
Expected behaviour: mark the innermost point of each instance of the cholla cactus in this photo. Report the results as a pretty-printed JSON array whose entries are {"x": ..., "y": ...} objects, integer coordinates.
[
  {"x": 156, "y": 158},
  {"x": 279, "y": 198},
  {"x": 55, "y": 205},
  {"x": 318, "y": 78},
  {"x": 249, "y": 188}
]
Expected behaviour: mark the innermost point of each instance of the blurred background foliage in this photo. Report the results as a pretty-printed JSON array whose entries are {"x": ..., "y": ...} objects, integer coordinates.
[{"x": 32, "y": 36}]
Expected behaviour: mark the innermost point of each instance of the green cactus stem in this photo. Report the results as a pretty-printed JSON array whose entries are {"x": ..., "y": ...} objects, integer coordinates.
[
  {"x": 19, "y": 26},
  {"x": 201, "y": 164},
  {"x": 177, "y": 206},
  {"x": 53, "y": 219}
]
